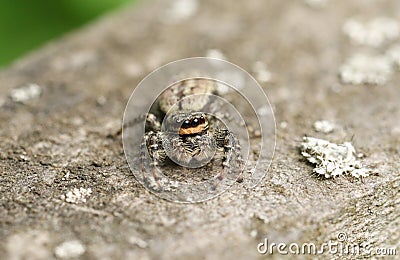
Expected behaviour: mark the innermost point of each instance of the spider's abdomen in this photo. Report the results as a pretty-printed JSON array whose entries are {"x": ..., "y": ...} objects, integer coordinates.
[{"x": 191, "y": 94}]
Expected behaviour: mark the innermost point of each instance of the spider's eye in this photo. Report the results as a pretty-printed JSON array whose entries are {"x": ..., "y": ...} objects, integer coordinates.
[
  {"x": 202, "y": 120},
  {"x": 195, "y": 122},
  {"x": 186, "y": 124}
]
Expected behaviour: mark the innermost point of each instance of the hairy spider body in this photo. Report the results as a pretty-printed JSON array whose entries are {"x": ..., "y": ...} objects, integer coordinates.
[{"x": 186, "y": 135}]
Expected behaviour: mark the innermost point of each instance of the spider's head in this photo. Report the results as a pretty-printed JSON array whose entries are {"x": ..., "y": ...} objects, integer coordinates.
[{"x": 188, "y": 123}]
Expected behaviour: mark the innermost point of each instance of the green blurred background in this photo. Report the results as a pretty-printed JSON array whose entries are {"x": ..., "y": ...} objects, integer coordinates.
[{"x": 26, "y": 25}]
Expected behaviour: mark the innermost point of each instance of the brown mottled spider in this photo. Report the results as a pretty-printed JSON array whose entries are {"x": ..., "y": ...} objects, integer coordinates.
[{"x": 186, "y": 135}]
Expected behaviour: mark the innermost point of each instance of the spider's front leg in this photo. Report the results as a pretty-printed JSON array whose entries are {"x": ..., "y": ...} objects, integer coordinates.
[
  {"x": 152, "y": 142},
  {"x": 232, "y": 153}
]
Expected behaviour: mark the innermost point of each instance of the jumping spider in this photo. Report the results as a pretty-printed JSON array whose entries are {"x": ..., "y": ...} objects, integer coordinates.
[{"x": 186, "y": 135}]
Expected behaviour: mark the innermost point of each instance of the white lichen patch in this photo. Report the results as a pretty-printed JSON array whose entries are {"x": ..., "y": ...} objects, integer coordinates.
[
  {"x": 167, "y": 184},
  {"x": 181, "y": 10},
  {"x": 332, "y": 160},
  {"x": 25, "y": 93},
  {"x": 77, "y": 195},
  {"x": 366, "y": 69},
  {"x": 236, "y": 81},
  {"x": 393, "y": 54},
  {"x": 69, "y": 249},
  {"x": 138, "y": 242},
  {"x": 324, "y": 126},
  {"x": 216, "y": 54},
  {"x": 261, "y": 71},
  {"x": 374, "y": 32},
  {"x": 263, "y": 111},
  {"x": 283, "y": 124},
  {"x": 133, "y": 69}
]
